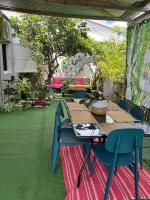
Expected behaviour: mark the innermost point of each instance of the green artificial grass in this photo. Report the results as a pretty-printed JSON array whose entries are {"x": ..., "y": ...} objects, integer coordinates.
[{"x": 25, "y": 164}]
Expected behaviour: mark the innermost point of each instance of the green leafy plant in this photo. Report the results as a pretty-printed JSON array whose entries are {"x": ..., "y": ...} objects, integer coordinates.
[
  {"x": 50, "y": 38},
  {"x": 94, "y": 95},
  {"x": 23, "y": 87},
  {"x": 8, "y": 107},
  {"x": 112, "y": 64}
]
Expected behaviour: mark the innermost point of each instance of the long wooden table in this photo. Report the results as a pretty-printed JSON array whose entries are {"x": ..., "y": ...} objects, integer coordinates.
[{"x": 116, "y": 117}]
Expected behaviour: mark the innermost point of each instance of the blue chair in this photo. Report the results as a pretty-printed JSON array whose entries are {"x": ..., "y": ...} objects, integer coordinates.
[
  {"x": 124, "y": 104},
  {"x": 121, "y": 149},
  {"x": 60, "y": 110},
  {"x": 80, "y": 94},
  {"x": 65, "y": 123},
  {"x": 63, "y": 137},
  {"x": 138, "y": 113}
]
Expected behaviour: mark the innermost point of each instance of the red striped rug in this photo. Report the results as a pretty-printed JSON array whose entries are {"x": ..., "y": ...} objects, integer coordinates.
[{"x": 92, "y": 188}]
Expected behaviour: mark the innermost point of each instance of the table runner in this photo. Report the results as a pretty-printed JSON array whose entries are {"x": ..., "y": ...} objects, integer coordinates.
[
  {"x": 108, "y": 127},
  {"x": 113, "y": 107},
  {"x": 121, "y": 116},
  {"x": 75, "y": 106},
  {"x": 82, "y": 117}
]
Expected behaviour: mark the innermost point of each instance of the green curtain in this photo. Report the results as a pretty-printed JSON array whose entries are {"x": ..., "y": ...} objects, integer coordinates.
[{"x": 138, "y": 60}]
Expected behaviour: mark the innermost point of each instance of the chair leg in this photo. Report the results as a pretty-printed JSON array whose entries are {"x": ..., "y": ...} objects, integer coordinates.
[
  {"x": 115, "y": 171},
  {"x": 52, "y": 148},
  {"x": 110, "y": 175},
  {"x": 92, "y": 165},
  {"x": 54, "y": 159},
  {"x": 141, "y": 158},
  {"x": 84, "y": 148},
  {"x": 136, "y": 174}
]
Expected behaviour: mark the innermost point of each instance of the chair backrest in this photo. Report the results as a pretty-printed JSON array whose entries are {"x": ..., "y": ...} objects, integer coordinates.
[
  {"x": 126, "y": 138},
  {"x": 59, "y": 110},
  {"x": 57, "y": 128},
  {"x": 138, "y": 113},
  {"x": 80, "y": 94},
  {"x": 124, "y": 104},
  {"x": 59, "y": 113}
]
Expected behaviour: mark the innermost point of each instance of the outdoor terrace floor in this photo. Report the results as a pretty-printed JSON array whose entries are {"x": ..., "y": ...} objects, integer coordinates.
[{"x": 25, "y": 164}]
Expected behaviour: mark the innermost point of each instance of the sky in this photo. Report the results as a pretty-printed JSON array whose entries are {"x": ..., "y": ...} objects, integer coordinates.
[
  {"x": 112, "y": 23},
  {"x": 10, "y": 13}
]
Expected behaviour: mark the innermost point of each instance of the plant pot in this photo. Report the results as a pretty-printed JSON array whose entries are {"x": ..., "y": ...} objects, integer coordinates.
[
  {"x": 23, "y": 96},
  {"x": 99, "y": 107}
]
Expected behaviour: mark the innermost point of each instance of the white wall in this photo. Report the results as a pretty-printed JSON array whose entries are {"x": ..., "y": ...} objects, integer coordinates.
[
  {"x": 6, "y": 75},
  {"x": 101, "y": 30},
  {"x": 98, "y": 32},
  {"x": 18, "y": 61},
  {"x": 1, "y": 100}
]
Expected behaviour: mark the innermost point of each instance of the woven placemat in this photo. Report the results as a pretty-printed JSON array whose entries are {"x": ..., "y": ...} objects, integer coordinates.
[
  {"x": 121, "y": 116},
  {"x": 75, "y": 106},
  {"x": 107, "y": 128},
  {"x": 112, "y": 106},
  {"x": 82, "y": 117}
]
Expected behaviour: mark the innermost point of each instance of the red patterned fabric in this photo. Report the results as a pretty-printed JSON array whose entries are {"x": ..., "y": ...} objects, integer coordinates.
[{"x": 92, "y": 188}]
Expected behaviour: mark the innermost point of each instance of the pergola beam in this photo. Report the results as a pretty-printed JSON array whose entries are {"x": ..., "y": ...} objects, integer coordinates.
[
  {"x": 48, "y": 13},
  {"x": 99, "y": 4},
  {"x": 110, "y": 4},
  {"x": 92, "y": 9}
]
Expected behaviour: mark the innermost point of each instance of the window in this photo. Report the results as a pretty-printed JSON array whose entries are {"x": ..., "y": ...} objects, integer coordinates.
[{"x": 4, "y": 57}]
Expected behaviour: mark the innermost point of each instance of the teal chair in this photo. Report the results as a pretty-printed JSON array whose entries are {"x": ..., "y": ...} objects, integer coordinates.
[
  {"x": 138, "y": 113},
  {"x": 124, "y": 104},
  {"x": 80, "y": 94},
  {"x": 60, "y": 110},
  {"x": 66, "y": 123},
  {"x": 121, "y": 149},
  {"x": 63, "y": 137}
]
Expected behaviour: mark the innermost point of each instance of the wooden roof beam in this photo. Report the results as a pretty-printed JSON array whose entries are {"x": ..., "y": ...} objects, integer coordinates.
[
  {"x": 111, "y": 4},
  {"x": 60, "y": 14}
]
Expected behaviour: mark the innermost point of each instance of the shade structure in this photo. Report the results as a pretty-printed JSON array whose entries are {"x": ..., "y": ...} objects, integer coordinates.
[{"x": 124, "y": 10}]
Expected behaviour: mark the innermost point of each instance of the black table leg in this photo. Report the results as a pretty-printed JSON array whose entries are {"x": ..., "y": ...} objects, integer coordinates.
[{"x": 84, "y": 163}]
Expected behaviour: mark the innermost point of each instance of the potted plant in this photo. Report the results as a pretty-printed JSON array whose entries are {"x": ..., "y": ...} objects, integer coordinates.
[
  {"x": 96, "y": 101},
  {"x": 23, "y": 87},
  {"x": 9, "y": 106}
]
